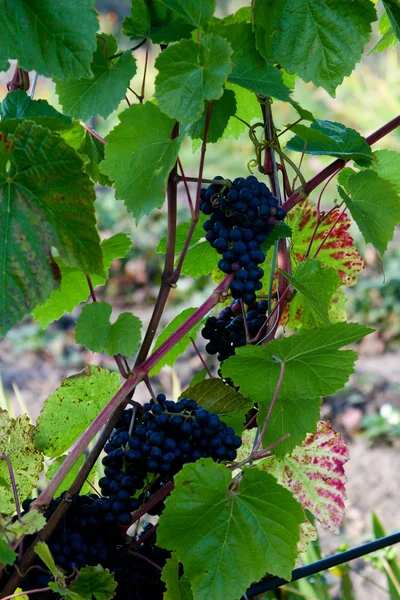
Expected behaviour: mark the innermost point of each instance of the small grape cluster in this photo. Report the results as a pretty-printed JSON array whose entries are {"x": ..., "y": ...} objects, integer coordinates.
[
  {"x": 227, "y": 331},
  {"x": 242, "y": 214},
  {"x": 167, "y": 436}
]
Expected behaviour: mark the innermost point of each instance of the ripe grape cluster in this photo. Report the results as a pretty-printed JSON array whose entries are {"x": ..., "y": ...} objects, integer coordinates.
[
  {"x": 227, "y": 331},
  {"x": 242, "y": 214}
]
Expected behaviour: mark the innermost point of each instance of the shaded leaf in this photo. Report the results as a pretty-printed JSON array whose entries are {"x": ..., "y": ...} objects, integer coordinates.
[
  {"x": 333, "y": 35},
  {"x": 7, "y": 556},
  {"x": 314, "y": 474},
  {"x": 139, "y": 156},
  {"x": 178, "y": 588},
  {"x": 46, "y": 201},
  {"x": 226, "y": 539},
  {"x": 72, "y": 407},
  {"x": 194, "y": 12},
  {"x": 180, "y": 347},
  {"x": 223, "y": 110},
  {"x": 393, "y": 12},
  {"x": 200, "y": 376},
  {"x": 43, "y": 552},
  {"x": 18, "y": 105},
  {"x": 100, "y": 95},
  {"x": 16, "y": 441},
  {"x": 91, "y": 150},
  {"x": 217, "y": 397},
  {"x": 152, "y": 19},
  {"x": 94, "y": 582},
  {"x": 55, "y": 38}
]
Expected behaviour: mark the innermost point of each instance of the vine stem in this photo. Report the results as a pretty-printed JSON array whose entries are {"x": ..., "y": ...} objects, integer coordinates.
[
  {"x": 338, "y": 165},
  {"x": 93, "y": 132},
  {"x": 271, "y": 407},
  {"x": 13, "y": 483},
  {"x": 203, "y": 362},
  {"x": 185, "y": 183}
]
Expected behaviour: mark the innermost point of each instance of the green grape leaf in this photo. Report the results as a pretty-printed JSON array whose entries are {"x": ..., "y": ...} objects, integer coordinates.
[
  {"x": 46, "y": 201},
  {"x": 74, "y": 286},
  {"x": 139, "y": 156},
  {"x": 223, "y": 110},
  {"x": 200, "y": 376},
  {"x": 91, "y": 150},
  {"x": 217, "y": 397},
  {"x": 227, "y": 538},
  {"x": 333, "y": 35},
  {"x": 387, "y": 165},
  {"x": 201, "y": 259},
  {"x": 249, "y": 68},
  {"x": 290, "y": 414},
  {"x": 179, "y": 348},
  {"x": 329, "y": 138},
  {"x": 55, "y": 38},
  {"x": 83, "y": 98},
  {"x": 194, "y": 12},
  {"x": 315, "y": 287},
  {"x": 30, "y": 523},
  {"x": 178, "y": 588},
  {"x": 43, "y": 552},
  {"x": 152, "y": 19},
  {"x": 314, "y": 474},
  {"x": 314, "y": 365},
  {"x": 305, "y": 114},
  {"x": 247, "y": 109},
  {"x": 280, "y": 230},
  {"x": 393, "y": 12},
  {"x": 70, "y": 478},
  {"x": 181, "y": 234},
  {"x": 344, "y": 175},
  {"x": 371, "y": 196},
  {"x": 191, "y": 73},
  {"x": 16, "y": 441},
  {"x": 93, "y": 582},
  {"x": 95, "y": 331},
  {"x": 72, "y": 407},
  {"x": 7, "y": 556},
  {"x": 18, "y": 105},
  {"x": 338, "y": 252}
]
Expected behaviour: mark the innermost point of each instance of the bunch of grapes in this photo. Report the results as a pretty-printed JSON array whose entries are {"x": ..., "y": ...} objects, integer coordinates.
[
  {"x": 227, "y": 331},
  {"x": 242, "y": 214}
]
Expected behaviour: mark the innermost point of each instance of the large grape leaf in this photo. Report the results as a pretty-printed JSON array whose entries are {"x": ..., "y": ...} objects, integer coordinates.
[
  {"x": 95, "y": 331},
  {"x": 195, "y": 12},
  {"x": 55, "y": 38},
  {"x": 201, "y": 259},
  {"x": 46, "y": 200},
  {"x": 338, "y": 252},
  {"x": 217, "y": 397},
  {"x": 249, "y": 68},
  {"x": 72, "y": 407},
  {"x": 152, "y": 19},
  {"x": 16, "y": 441},
  {"x": 18, "y": 105},
  {"x": 179, "y": 348},
  {"x": 316, "y": 286},
  {"x": 191, "y": 73},
  {"x": 330, "y": 138},
  {"x": 228, "y": 538},
  {"x": 139, "y": 156},
  {"x": 100, "y": 95},
  {"x": 314, "y": 474},
  {"x": 374, "y": 205},
  {"x": 314, "y": 365},
  {"x": 291, "y": 415},
  {"x": 178, "y": 588},
  {"x": 387, "y": 165},
  {"x": 74, "y": 285},
  {"x": 320, "y": 40}
]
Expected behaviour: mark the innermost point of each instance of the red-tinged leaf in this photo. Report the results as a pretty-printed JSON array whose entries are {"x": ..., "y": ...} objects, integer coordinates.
[
  {"x": 314, "y": 474},
  {"x": 338, "y": 251},
  {"x": 308, "y": 534}
]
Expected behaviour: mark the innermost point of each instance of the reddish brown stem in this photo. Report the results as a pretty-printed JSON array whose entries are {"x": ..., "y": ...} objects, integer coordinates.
[
  {"x": 271, "y": 407},
  {"x": 203, "y": 362}
]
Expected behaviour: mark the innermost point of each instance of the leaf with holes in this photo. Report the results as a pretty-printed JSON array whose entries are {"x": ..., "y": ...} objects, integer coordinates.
[
  {"x": 16, "y": 441},
  {"x": 314, "y": 474},
  {"x": 227, "y": 538},
  {"x": 18, "y": 105},
  {"x": 139, "y": 156},
  {"x": 100, "y": 95},
  {"x": 55, "y": 38},
  {"x": 333, "y": 35},
  {"x": 190, "y": 74},
  {"x": 332, "y": 139},
  {"x": 45, "y": 200},
  {"x": 181, "y": 346},
  {"x": 314, "y": 364},
  {"x": 375, "y": 206},
  {"x": 74, "y": 285},
  {"x": 338, "y": 252},
  {"x": 315, "y": 287},
  {"x": 72, "y": 407},
  {"x": 217, "y": 397},
  {"x": 95, "y": 331}
]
